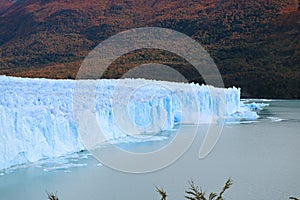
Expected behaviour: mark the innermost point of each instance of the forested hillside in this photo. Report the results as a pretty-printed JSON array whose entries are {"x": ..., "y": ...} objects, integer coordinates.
[{"x": 255, "y": 43}]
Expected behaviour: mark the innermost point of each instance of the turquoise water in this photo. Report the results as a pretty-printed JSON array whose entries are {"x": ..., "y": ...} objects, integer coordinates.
[{"x": 262, "y": 158}]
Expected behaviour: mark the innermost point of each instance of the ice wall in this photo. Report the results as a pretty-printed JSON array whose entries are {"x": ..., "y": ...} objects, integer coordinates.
[{"x": 36, "y": 115}]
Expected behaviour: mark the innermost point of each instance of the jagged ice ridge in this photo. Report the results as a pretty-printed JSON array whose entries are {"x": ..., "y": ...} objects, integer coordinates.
[{"x": 37, "y": 119}]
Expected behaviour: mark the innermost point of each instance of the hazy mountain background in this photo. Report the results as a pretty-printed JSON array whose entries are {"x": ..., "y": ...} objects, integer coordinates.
[{"x": 255, "y": 43}]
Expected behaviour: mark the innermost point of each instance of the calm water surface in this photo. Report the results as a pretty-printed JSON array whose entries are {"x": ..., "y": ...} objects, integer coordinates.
[{"x": 262, "y": 158}]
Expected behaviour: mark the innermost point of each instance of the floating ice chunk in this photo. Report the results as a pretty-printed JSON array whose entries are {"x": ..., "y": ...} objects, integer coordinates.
[
  {"x": 276, "y": 119},
  {"x": 256, "y": 106}
]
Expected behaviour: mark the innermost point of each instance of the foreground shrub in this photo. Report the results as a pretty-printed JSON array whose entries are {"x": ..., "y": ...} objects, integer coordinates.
[{"x": 195, "y": 192}]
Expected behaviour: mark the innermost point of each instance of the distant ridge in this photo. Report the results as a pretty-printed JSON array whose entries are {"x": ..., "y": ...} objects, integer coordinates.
[{"x": 255, "y": 44}]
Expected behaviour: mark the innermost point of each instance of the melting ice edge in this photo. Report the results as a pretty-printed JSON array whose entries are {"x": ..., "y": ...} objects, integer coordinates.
[{"x": 37, "y": 115}]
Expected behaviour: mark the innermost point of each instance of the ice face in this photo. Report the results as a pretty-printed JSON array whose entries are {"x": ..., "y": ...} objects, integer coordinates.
[
  {"x": 36, "y": 115},
  {"x": 35, "y": 120}
]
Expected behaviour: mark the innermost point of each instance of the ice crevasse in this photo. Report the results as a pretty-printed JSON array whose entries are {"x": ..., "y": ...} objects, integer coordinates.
[{"x": 37, "y": 115}]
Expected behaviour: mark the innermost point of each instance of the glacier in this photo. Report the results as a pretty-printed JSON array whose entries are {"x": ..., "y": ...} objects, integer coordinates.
[{"x": 37, "y": 116}]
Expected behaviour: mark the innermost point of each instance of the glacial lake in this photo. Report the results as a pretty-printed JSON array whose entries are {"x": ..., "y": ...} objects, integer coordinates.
[{"x": 262, "y": 158}]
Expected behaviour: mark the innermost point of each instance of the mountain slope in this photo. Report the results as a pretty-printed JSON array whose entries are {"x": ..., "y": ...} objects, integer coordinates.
[
  {"x": 5, "y": 4},
  {"x": 255, "y": 44}
]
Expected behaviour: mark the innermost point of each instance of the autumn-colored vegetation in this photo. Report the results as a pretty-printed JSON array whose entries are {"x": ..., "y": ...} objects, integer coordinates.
[
  {"x": 4, "y": 4},
  {"x": 255, "y": 44}
]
